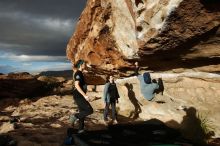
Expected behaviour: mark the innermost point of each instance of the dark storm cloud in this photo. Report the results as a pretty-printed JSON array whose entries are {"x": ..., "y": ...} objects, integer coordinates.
[
  {"x": 47, "y": 8},
  {"x": 38, "y": 27}
]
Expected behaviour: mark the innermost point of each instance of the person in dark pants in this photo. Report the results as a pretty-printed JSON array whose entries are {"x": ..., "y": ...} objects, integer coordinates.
[
  {"x": 110, "y": 97},
  {"x": 136, "y": 69},
  {"x": 80, "y": 97}
]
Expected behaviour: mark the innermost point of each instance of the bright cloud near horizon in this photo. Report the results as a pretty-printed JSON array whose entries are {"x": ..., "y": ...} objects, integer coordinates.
[{"x": 34, "y": 34}]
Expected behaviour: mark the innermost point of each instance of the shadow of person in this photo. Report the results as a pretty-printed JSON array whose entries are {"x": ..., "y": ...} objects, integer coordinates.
[
  {"x": 137, "y": 2},
  {"x": 211, "y": 5},
  {"x": 134, "y": 101},
  {"x": 161, "y": 86},
  {"x": 192, "y": 128}
]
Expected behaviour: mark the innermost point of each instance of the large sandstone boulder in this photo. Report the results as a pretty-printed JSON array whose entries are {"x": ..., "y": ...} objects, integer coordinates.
[
  {"x": 185, "y": 94},
  {"x": 160, "y": 34},
  {"x": 190, "y": 101}
]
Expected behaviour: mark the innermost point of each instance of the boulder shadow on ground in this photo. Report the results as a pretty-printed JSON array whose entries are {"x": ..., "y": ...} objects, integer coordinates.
[{"x": 152, "y": 132}]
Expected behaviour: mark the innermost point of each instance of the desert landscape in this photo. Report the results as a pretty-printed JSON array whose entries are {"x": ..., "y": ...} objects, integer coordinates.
[
  {"x": 44, "y": 120},
  {"x": 177, "y": 41}
]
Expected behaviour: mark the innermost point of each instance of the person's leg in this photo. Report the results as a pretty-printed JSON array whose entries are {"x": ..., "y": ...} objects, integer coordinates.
[
  {"x": 81, "y": 123},
  {"x": 114, "y": 118},
  {"x": 85, "y": 109},
  {"x": 73, "y": 117},
  {"x": 84, "y": 106},
  {"x": 106, "y": 111}
]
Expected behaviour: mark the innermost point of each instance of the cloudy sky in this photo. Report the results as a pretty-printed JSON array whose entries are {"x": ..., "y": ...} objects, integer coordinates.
[{"x": 34, "y": 34}]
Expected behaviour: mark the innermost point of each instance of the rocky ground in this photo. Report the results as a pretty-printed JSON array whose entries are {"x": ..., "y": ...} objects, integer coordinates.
[
  {"x": 44, "y": 121},
  {"x": 190, "y": 102}
]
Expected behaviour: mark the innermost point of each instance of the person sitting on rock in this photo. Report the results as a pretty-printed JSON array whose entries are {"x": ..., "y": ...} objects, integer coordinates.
[
  {"x": 110, "y": 97},
  {"x": 148, "y": 88}
]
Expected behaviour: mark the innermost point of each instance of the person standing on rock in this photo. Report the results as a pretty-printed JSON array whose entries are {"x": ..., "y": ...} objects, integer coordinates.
[
  {"x": 136, "y": 69},
  {"x": 148, "y": 88},
  {"x": 110, "y": 97},
  {"x": 80, "y": 97}
]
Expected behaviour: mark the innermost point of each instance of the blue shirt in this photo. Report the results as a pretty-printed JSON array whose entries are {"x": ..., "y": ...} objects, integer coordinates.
[{"x": 147, "y": 89}]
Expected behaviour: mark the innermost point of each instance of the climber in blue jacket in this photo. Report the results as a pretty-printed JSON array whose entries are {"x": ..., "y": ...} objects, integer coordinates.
[{"x": 148, "y": 88}]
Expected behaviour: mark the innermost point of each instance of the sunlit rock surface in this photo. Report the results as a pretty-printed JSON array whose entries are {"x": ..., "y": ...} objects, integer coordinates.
[
  {"x": 188, "y": 98},
  {"x": 160, "y": 34},
  {"x": 182, "y": 91}
]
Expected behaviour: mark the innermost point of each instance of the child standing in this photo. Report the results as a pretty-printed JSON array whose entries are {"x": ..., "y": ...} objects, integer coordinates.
[{"x": 110, "y": 97}]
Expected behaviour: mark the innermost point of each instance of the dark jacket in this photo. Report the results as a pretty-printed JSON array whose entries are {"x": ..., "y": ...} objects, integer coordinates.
[{"x": 110, "y": 93}]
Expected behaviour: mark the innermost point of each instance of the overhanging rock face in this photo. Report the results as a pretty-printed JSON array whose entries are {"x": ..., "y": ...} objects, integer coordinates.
[{"x": 160, "y": 34}]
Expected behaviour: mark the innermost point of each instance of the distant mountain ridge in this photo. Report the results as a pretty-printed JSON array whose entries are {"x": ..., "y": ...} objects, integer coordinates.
[{"x": 65, "y": 73}]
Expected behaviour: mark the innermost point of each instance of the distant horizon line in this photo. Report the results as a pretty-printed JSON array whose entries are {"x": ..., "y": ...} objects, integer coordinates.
[{"x": 34, "y": 73}]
